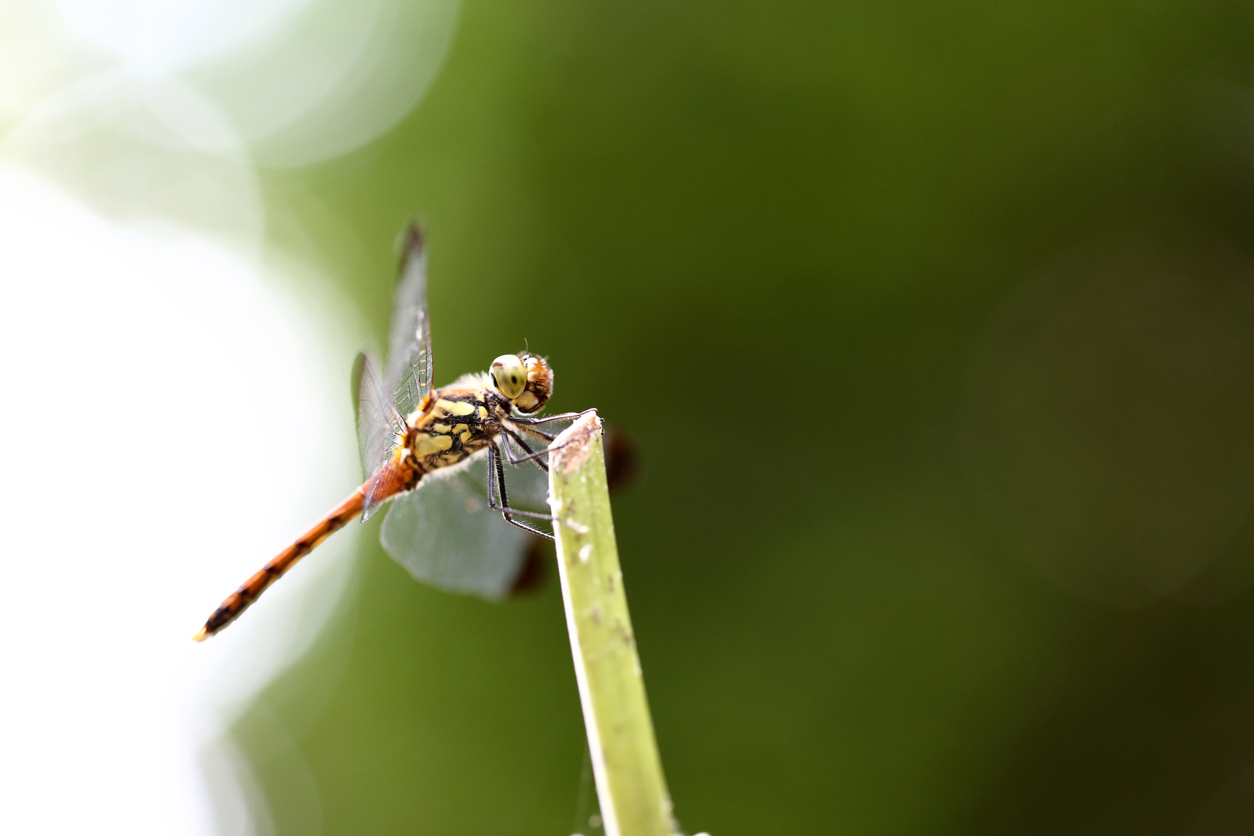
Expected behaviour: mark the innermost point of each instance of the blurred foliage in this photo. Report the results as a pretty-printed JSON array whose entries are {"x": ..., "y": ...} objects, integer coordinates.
[{"x": 766, "y": 239}]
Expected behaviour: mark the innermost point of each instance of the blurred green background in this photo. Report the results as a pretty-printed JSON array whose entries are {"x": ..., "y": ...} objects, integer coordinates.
[{"x": 933, "y": 325}]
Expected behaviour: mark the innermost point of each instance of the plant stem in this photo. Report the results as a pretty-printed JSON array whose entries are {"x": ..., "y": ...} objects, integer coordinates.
[{"x": 625, "y": 760}]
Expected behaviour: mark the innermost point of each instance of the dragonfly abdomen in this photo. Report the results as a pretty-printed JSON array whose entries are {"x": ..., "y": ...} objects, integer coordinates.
[{"x": 240, "y": 599}]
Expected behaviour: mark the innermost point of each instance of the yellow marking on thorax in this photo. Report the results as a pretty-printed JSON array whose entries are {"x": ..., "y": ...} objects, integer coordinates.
[
  {"x": 455, "y": 407},
  {"x": 440, "y": 428},
  {"x": 483, "y": 412},
  {"x": 426, "y": 444}
]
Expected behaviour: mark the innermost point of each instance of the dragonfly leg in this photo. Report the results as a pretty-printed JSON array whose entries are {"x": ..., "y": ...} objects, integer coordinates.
[
  {"x": 496, "y": 487},
  {"x": 494, "y": 465},
  {"x": 530, "y": 456},
  {"x": 532, "y": 431},
  {"x": 565, "y": 416},
  {"x": 509, "y": 454}
]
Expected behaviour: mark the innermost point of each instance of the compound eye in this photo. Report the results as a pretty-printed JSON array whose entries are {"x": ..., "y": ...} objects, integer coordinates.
[{"x": 509, "y": 375}]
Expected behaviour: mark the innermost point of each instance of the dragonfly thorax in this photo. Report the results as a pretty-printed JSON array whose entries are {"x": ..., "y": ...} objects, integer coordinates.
[
  {"x": 459, "y": 420},
  {"x": 464, "y": 418}
]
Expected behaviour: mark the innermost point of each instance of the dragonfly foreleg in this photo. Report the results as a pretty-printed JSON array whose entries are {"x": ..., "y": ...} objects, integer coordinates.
[
  {"x": 532, "y": 431},
  {"x": 496, "y": 487},
  {"x": 494, "y": 467},
  {"x": 509, "y": 454},
  {"x": 530, "y": 455},
  {"x": 565, "y": 416}
]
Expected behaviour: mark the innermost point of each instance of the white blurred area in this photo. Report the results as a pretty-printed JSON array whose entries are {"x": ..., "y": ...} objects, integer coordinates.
[{"x": 177, "y": 406}]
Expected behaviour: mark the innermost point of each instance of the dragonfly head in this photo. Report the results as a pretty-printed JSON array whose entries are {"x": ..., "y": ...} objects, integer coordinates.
[{"x": 524, "y": 378}]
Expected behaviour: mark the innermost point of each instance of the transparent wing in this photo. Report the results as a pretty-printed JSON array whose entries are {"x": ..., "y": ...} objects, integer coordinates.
[
  {"x": 377, "y": 420},
  {"x": 444, "y": 534},
  {"x": 408, "y": 375}
]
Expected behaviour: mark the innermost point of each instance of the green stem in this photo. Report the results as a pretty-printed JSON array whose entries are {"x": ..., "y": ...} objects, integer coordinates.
[{"x": 625, "y": 761}]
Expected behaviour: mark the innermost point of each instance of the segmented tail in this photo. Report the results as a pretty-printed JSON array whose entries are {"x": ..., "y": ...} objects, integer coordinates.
[{"x": 240, "y": 599}]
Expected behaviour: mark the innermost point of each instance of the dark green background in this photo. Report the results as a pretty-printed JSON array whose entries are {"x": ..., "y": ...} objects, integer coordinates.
[{"x": 767, "y": 239}]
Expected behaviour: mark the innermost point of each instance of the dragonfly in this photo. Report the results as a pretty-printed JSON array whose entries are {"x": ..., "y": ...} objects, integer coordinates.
[{"x": 438, "y": 456}]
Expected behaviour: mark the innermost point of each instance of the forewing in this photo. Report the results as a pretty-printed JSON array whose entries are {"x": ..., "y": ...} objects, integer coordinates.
[
  {"x": 409, "y": 362},
  {"x": 379, "y": 429},
  {"x": 444, "y": 534},
  {"x": 376, "y": 417}
]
